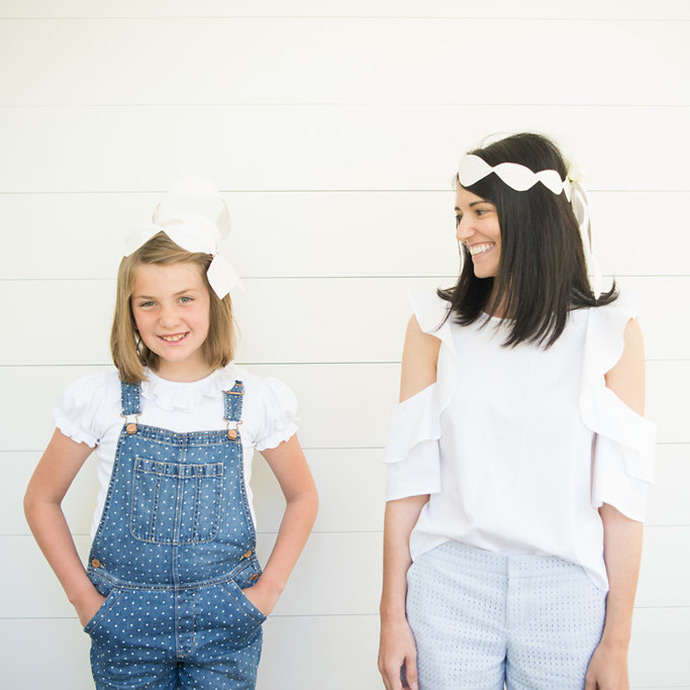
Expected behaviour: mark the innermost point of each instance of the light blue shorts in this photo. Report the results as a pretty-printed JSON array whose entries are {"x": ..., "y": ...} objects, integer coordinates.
[{"x": 482, "y": 619}]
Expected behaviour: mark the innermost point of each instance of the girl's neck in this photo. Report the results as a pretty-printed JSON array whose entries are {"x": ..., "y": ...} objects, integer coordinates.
[{"x": 181, "y": 372}]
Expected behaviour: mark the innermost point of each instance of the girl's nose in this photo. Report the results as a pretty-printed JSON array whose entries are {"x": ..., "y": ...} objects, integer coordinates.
[{"x": 168, "y": 316}]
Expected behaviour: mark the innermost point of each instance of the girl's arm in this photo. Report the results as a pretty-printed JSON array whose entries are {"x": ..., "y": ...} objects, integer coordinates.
[
  {"x": 397, "y": 649},
  {"x": 56, "y": 470},
  {"x": 608, "y": 668},
  {"x": 290, "y": 467}
]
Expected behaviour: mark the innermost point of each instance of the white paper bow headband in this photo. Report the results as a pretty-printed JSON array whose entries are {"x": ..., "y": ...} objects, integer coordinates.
[
  {"x": 472, "y": 168},
  {"x": 193, "y": 230}
]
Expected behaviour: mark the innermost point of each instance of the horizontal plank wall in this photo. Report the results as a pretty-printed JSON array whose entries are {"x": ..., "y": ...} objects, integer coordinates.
[{"x": 333, "y": 129}]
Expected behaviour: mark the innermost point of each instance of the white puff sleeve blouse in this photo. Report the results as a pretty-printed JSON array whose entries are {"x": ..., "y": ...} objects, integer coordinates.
[{"x": 89, "y": 412}]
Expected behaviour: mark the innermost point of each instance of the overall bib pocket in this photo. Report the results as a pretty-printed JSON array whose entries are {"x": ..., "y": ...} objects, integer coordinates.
[{"x": 175, "y": 503}]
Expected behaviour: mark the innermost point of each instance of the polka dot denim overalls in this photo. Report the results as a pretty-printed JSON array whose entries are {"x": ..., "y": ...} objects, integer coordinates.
[{"x": 174, "y": 549}]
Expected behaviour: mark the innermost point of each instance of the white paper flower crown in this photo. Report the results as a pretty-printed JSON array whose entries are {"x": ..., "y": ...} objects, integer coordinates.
[
  {"x": 519, "y": 177},
  {"x": 194, "y": 231}
]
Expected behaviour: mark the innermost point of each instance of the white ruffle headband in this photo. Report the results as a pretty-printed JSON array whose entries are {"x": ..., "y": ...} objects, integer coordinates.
[
  {"x": 519, "y": 177},
  {"x": 193, "y": 231}
]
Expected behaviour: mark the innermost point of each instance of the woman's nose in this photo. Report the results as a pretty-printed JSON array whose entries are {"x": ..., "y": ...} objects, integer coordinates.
[{"x": 463, "y": 230}]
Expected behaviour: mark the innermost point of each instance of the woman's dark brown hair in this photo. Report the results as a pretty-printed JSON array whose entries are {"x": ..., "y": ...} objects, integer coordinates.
[{"x": 542, "y": 272}]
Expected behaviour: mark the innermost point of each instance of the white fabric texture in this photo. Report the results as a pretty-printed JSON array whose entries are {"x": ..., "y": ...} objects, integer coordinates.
[
  {"x": 89, "y": 412},
  {"x": 518, "y": 447}
]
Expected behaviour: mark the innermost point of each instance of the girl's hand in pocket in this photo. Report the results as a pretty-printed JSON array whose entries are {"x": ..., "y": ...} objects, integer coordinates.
[
  {"x": 87, "y": 607},
  {"x": 262, "y": 596}
]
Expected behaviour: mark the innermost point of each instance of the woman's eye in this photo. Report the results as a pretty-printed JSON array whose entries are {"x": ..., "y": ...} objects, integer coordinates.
[{"x": 457, "y": 220}]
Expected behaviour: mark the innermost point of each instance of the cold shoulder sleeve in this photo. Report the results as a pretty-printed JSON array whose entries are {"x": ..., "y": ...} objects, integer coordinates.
[
  {"x": 412, "y": 451},
  {"x": 279, "y": 407},
  {"x": 623, "y": 456},
  {"x": 79, "y": 411}
]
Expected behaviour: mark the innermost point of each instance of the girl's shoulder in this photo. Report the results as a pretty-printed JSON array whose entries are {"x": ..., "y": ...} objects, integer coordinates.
[
  {"x": 88, "y": 405},
  {"x": 270, "y": 406},
  {"x": 259, "y": 390}
]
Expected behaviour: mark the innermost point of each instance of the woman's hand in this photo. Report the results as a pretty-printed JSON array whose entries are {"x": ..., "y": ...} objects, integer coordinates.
[
  {"x": 398, "y": 653},
  {"x": 87, "y": 607},
  {"x": 608, "y": 669}
]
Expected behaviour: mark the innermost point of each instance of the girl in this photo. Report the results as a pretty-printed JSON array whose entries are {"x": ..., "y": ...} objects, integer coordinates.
[
  {"x": 173, "y": 595},
  {"x": 518, "y": 458}
]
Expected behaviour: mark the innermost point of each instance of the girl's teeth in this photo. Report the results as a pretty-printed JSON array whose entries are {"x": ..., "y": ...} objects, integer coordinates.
[{"x": 173, "y": 338}]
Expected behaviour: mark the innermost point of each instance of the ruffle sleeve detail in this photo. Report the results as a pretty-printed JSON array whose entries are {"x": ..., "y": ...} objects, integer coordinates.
[
  {"x": 280, "y": 419},
  {"x": 77, "y": 412},
  {"x": 623, "y": 456},
  {"x": 412, "y": 452}
]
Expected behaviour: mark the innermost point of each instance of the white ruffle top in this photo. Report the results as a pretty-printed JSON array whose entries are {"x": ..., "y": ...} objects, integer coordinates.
[
  {"x": 89, "y": 412},
  {"x": 518, "y": 447}
]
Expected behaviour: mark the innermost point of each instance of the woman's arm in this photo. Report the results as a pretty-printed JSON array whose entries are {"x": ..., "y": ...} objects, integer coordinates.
[
  {"x": 290, "y": 467},
  {"x": 54, "y": 474},
  {"x": 397, "y": 649},
  {"x": 608, "y": 668}
]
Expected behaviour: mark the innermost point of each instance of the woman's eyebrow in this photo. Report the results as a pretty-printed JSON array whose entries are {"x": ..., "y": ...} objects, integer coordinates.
[{"x": 474, "y": 203}]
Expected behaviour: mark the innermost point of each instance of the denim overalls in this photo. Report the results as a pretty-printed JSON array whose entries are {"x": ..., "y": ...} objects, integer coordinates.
[{"x": 174, "y": 549}]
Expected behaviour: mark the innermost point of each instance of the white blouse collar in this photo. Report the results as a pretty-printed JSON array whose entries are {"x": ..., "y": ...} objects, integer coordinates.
[{"x": 187, "y": 396}]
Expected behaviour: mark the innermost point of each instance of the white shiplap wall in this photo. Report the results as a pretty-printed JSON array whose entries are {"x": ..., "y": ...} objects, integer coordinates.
[{"x": 333, "y": 128}]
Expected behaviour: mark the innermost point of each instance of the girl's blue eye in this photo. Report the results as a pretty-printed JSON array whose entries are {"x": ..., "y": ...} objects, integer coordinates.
[
  {"x": 184, "y": 300},
  {"x": 145, "y": 304}
]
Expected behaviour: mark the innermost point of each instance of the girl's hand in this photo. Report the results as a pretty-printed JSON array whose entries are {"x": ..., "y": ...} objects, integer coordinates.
[
  {"x": 87, "y": 608},
  {"x": 398, "y": 653},
  {"x": 262, "y": 595},
  {"x": 608, "y": 669}
]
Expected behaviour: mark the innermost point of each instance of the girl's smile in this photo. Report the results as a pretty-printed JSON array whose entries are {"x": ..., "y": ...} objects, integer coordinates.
[{"x": 170, "y": 304}]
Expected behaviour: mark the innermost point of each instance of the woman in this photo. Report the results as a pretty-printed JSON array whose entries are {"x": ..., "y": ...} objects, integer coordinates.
[{"x": 518, "y": 457}]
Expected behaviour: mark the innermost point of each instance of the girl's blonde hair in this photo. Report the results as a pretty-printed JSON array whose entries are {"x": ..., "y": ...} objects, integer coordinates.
[{"x": 130, "y": 354}]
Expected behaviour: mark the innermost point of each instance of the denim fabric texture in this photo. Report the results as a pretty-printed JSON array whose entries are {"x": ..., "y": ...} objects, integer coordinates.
[
  {"x": 483, "y": 618},
  {"x": 174, "y": 549}
]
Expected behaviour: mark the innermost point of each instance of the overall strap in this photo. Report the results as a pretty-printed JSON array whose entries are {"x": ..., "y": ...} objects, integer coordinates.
[
  {"x": 130, "y": 398},
  {"x": 233, "y": 402}
]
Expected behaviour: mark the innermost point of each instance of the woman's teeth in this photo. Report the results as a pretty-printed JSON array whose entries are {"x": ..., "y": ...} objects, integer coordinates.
[{"x": 480, "y": 248}]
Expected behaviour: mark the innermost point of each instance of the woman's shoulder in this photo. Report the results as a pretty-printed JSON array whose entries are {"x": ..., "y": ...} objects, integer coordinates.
[
  {"x": 606, "y": 331},
  {"x": 430, "y": 311}
]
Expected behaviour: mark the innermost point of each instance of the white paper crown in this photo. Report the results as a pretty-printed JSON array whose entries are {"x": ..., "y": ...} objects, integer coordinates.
[{"x": 519, "y": 177}]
